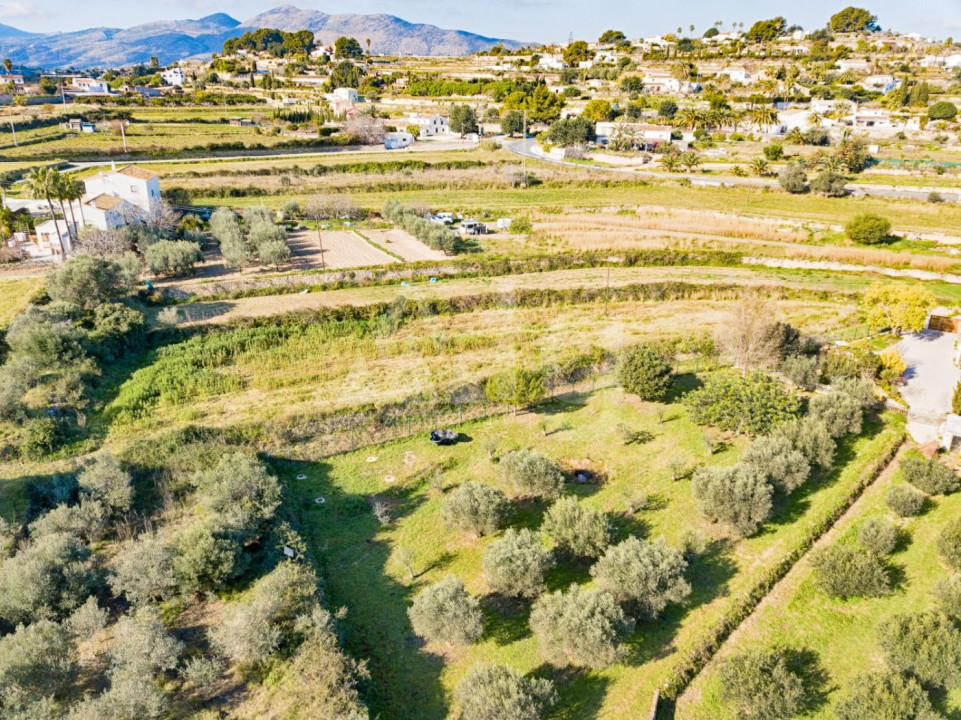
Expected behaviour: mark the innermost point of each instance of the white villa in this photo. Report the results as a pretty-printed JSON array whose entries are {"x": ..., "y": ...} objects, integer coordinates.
[
  {"x": 174, "y": 76},
  {"x": 431, "y": 126}
]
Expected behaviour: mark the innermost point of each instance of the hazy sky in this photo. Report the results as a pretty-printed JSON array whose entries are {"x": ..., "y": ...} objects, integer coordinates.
[{"x": 536, "y": 20}]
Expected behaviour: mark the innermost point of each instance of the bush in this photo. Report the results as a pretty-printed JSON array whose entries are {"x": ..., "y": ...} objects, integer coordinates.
[
  {"x": 737, "y": 496},
  {"x": 474, "y": 507},
  {"x": 878, "y": 536},
  {"x": 446, "y": 613},
  {"x": 530, "y": 473},
  {"x": 273, "y": 252},
  {"x": 830, "y": 184},
  {"x": 497, "y": 692},
  {"x": 752, "y": 404},
  {"x": 103, "y": 479},
  {"x": 801, "y": 370},
  {"x": 86, "y": 281},
  {"x": 143, "y": 570},
  {"x": 811, "y": 438},
  {"x": 240, "y": 492},
  {"x": 943, "y": 110},
  {"x": 48, "y": 579},
  {"x": 761, "y": 685},
  {"x": 774, "y": 151},
  {"x": 884, "y": 695},
  {"x": 905, "y": 501},
  {"x": 860, "y": 389},
  {"x": 926, "y": 645},
  {"x": 36, "y": 661},
  {"x": 949, "y": 543},
  {"x": 793, "y": 178},
  {"x": 142, "y": 646},
  {"x": 172, "y": 257},
  {"x": 929, "y": 476},
  {"x": 207, "y": 557},
  {"x": 868, "y": 229},
  {"x": 777, "y": 460},
  {"x": 840, "y": 413},
  {"x": 517, "y": 387},
  {"x": 644, "y": 372},
  {"x": 947, "y": 593},
  {"x": 648, "y": 575},
  {"x": 581, "y": 627},
  {"x": 844, "y": 572},
  {"x": 579, "y": 531},
  {"x": 516, "y": 563},
  {"x": 87, "y": 620}
]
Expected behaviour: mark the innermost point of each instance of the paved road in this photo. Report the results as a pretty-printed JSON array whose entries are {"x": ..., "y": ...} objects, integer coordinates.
[
  {"x": 929, "y": 381},
  {"x": 525, "y": 147}
]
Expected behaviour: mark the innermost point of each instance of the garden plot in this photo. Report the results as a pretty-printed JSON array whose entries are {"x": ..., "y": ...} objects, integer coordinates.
[
  {"x": 345, "y": 249},
  {"x": 401, "y": 242}
]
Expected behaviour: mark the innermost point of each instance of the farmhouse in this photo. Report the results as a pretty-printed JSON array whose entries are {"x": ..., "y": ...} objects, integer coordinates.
[
  {"x": 139, "y": 187},
  {"x": 430, "y": 126},
  {"x": 174, "y": 76}
]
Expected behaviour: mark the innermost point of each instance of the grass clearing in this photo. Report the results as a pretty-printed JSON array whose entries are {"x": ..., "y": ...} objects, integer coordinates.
[
  {"x": 14, "y": 296},
  {"x": 362, "y": 561}
]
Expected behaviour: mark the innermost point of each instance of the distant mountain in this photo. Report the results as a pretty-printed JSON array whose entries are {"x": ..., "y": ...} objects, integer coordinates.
[{"x": 173, "y": 40}]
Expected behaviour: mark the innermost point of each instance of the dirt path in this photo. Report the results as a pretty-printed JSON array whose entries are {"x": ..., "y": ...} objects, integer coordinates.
[{"x": 788, "y": 584}]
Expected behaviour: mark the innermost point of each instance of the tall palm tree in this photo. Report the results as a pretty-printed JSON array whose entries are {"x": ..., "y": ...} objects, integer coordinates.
[
  {"x": 68, "y": 193},
  {"x": 689, "y": 116},
  {"x": 78, "y": 189},
  {"x": 42, "y": 182},
  {"x": 60, "y": 192},
  {"x": 763, "y": 116},
  {"x": 7, "y": 65},
  {"x": 815, "y": 119}
]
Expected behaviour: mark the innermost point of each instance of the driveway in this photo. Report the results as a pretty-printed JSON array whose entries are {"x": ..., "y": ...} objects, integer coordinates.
[{"x": 929, "y": 381}]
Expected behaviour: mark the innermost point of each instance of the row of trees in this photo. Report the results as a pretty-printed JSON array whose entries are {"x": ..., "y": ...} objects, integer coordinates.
[{"x": 259, "y": 238}]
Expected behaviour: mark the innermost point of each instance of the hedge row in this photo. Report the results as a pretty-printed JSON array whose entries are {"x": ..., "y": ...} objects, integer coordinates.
[{"x": 699, "y": 657}]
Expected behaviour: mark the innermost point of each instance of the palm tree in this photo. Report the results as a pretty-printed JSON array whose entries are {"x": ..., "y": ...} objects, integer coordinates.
[
  {"x": 42, "y": 182},
  {"x": 763, "y": 116},
  {"x": 368, "y": 46},
  {"x": 671, "y": 162},
  {"x": 759, "y": 166},
  {"x": 831, "y": 163},
  {"x": 7, "y": 65},
  {"x": 689, "y": 116},
  {"x": 67, "y": 187},
  {"x": 78, "y": 189},
  {"x": 795, "y": 137},
  {"x": 690, "y": 160},
  {"x": 815, "y": 119}
]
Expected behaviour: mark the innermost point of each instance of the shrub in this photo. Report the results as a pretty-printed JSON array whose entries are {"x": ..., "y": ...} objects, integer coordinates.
[
  {"x": 897, "y": 306},
  {"x": 777, "y": 460},
  {"x": 905, "y": 501},
  {"x": 49, "y": 578},
  {"x": 445, "y": 612},
  {"x": 830, "y": 184},
  {"x": 581, "y": 627},
  {"x": 840, "y": 413},
  {"x": 761, "y": 685},
  {"x": 884, "y": 695},
  {"x": 531, "y": 473},
  {"x": 142, "y": 646},
  {"x": 752, "y": 404},
  {"x": 649, "y": 575},
  {"x": 578, "y": 531},
  {"x": 497, "y": 692},
  {"x": 949, "y": 544},
  {"x": 516, "y": 563},
  {"x": 172, "y": 257},
  {"x": 878, "y": 536},
  {"x": 947, "y": 593},
  {"x": 801, "y": 370},
  {"x": 943, "y": 110},
  {"x": 517, "y": 387},
  {"x": 240, "y": 491},
  {"x": 207, "y": 557},
  {"x": 36, "y": 661},
  {"x": 929, "y": 476},
  {"x": 868, "y": 229},
  {"x": 143, "y": 570},
  {"x": 474, "y": 507},
  {"x": 926, "y": 645},
  {"x": 644, "y": 372},
  {"x": 793, "y": 178},
  {"x": 86, "y": 281},
  {"x": 860, "y": 389},
  {"x": 774, "y": 151},
  {"x": 811, "y": 438},
  {"x": 103, "y": 479},
  {"x": 844, "y": 572},
  {"x": 737, "y": 496}
]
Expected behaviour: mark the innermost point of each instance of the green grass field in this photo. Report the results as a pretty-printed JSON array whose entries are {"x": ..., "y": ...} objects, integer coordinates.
[
  {"x": 842, "y": 633},
  {"x": 362, "y": 562},
  {"x": 14, "y": 295}
]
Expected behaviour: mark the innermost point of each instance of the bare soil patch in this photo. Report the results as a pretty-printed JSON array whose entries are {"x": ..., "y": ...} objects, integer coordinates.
[{"x": 401, "y": 242}]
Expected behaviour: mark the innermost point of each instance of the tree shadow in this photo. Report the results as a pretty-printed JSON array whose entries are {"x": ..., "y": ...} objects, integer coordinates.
[
  {"x": 506, "y": 619},
  {"x": 580, "y": 693},
  {"x": 351, "y": 551},
  {"x": 815, "y": 680},
  {"x": 940, "y": 699},
  {"x": 683, "y": 384},
  {"x": 567, "y": 571}
]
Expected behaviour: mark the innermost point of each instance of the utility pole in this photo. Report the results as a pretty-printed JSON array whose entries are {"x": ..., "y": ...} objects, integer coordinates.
[
  {"x": 524, "y": 151},
  {"x": 13, "y": 129},
  {"x": 123, "y": 135},
  {"x": 320, "y": 242}
]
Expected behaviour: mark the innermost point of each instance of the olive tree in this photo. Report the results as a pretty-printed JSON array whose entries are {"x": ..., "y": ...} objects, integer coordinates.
[
  {"x": 474, "y": 507},
  {"x": 530, "y": 473},
  {"x": 648, "y": 575},
  {"x": 515, "y": 564},
  {"x": 738, "y": 496},
  {"x": 105, "y": 480},
  {"x": 497, "y": 692},
  {"x": 142, "y": 646},
  {"x": 840, "y": 413},
  {"x": 949, "y": 543},
  {"x": 207, "y": 557},
  {"x": 584, "y": 628},
  {"x": 240, "y": 491},
  {"x": 643, "y": 371},
  {"x": 86, "y": 281},
  {"x": 811, "y": 438},
  {"x": 775, "y": 458},
  {"x": 905, "y": 501},
  {"x": 762, "y": 685},
  {"x": 579, "y": 531},
  {"x": 878, "y": 536},
  {"x": 884, "y": 695},
  {"x": 845, "y": 572},
  {"x": 947, "y": 593},
  {"x": 36, "y": 661},
  {"x": 143, "y": 570},
  {"x": 445, "y": 612},
  {"x": 927, "y": 645},
  {"x": 928, "y": 475}
]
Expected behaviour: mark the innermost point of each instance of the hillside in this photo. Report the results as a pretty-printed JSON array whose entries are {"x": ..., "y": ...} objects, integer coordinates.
[{"x": 174, "y": 40}]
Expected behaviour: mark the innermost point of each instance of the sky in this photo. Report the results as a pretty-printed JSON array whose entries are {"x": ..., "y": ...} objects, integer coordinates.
[{"x": 544, "y": 21}]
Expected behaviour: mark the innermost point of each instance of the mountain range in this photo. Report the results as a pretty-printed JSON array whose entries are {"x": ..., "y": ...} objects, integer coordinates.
[{"x": 174, "y": 40}]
